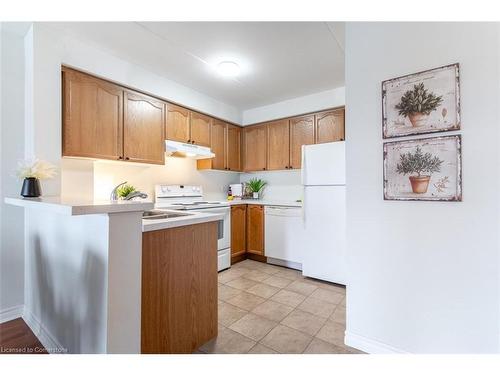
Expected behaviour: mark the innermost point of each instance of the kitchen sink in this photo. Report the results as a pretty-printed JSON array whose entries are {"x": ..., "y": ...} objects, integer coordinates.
[{"x": 157, "y": 215}]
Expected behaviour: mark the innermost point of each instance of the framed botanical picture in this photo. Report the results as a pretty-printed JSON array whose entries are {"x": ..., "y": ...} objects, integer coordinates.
[
  {"x": 426, "y": 169},
  {"x": 421, "y": 103}
]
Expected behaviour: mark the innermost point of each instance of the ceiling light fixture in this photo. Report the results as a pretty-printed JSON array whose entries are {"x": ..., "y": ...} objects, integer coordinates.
[{"x": 228, "y": 69}]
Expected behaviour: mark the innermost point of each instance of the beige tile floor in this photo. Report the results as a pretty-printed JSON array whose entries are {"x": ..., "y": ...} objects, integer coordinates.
[{"x": 269, "y": 309}]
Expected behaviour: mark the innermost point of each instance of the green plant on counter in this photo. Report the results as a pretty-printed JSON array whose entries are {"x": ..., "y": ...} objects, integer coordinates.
[
  {"x": 256, "y": 185},
  {"x": 125, "y": 190}
]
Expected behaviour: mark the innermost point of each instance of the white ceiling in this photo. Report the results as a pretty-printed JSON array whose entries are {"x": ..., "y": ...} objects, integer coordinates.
[{"x": 279, "y": 60}]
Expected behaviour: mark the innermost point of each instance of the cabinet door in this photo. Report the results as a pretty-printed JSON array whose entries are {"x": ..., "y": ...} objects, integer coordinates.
[
  {"x": 301, "y": 133},
  {"x": 200, "y": 129},
  {"x": 255, "y": 148},
  {"x": 177, "y": 123},
  {"x": 233, "y": 148},
  {"x": 218, "y": 144},
  {"x": 330, "y": 126},
  {"x": 255, "y": 229},
  {"x": 278, "y": 151},
  {"x": 143, "y": 129},
  {"x": 238, "y": 230},
  {"x": 93, "y": 117}
]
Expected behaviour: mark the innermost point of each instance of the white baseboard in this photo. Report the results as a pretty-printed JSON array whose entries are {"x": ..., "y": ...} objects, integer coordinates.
[
  {"x": 370, "y": 346},
  {"x": 44, "y": 336},
  {"x": 11, "y": 313},
  {"x": 284, "y": 263}
]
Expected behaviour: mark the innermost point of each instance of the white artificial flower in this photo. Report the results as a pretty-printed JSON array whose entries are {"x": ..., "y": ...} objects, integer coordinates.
[{"x": 36, "y": 168}]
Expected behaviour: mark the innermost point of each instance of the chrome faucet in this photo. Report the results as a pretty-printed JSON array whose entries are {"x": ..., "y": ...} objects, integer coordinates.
[
  {"x": 114, "y": 192},
  {"x": 134, "y": 194}
]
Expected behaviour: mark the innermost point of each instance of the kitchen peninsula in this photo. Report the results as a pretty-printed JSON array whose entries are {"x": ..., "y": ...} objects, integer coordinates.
[{"x": 86, "y": 266}]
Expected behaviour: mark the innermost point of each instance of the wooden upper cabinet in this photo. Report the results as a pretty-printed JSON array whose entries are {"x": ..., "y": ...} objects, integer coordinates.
[
  {"x": 225, "y": 143},
  {"x": 218, "y": 145},
  {"x": 330, "y": 126},
  {"x": 301, "y": 133},
  {"x": 255, "y": 229},
  {"x": 238, "y": 230},
  {"x": 255, "y": 148},
  {"x": 143, "y": 129},
  {"x": 200, "y": 129},
  {"x": 278, "y": 153},
  {"x": 92, "y": 117},
  {"x": 177, "y": 123},
  {"x": 233, "y": 153}
]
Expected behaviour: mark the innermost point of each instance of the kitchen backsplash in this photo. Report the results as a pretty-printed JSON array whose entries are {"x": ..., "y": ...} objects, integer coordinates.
[
  {"x": 281, "y": 185},
  {"x": 95, "y": 179}
]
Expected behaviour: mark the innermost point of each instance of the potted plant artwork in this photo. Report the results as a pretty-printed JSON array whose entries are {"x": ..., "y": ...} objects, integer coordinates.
[
  {"x": 419, "y": 166},
  {"x": 256, "y": 185},
  {"x": 417, "y": 104},
  {"x": 32, "y": 171}
]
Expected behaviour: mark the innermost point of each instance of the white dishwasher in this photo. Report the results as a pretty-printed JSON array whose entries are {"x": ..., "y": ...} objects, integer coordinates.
[{"x": 284, "y": 236}]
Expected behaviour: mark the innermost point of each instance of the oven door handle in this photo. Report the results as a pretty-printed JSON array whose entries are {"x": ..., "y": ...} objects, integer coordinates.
[{"x": 220, "y": 231}]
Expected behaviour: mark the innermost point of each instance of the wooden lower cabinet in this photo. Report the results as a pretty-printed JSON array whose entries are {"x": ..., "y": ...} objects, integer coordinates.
[
  {"x": 255, "y": 229},
  {"x": 238, "y": 230},
  {"x": 179, "y": 288}
]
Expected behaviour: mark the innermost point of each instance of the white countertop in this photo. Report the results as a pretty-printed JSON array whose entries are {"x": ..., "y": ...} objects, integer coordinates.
[
  {"x": 266, "y": 202},
  {"x": 80, "y": 207},
  {"x": 173, "y": 222}
]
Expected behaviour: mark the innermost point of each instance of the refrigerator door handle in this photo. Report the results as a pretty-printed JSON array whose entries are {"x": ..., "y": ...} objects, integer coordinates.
[
  {"x": 303, "y": 178},
  {"x": 303, "y": 181},
  {"x": 304, "y": 205}
]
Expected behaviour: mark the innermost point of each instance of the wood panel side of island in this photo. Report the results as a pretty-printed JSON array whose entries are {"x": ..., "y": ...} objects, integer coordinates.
[{"x": 179, "y": 288}]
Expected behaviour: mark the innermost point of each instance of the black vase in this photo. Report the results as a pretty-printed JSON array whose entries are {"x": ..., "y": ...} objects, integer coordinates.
[{"x": 31, "y": 188}]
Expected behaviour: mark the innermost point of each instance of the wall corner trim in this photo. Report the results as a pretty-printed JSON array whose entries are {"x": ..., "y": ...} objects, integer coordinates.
[
  {"x": 11, "y": 313},
  {"x": 42, "y": 334},
  {"x": 370, "y": 346}
]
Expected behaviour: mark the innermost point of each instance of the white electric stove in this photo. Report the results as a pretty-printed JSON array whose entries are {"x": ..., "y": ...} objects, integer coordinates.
[{"x": 190, "y": 197}]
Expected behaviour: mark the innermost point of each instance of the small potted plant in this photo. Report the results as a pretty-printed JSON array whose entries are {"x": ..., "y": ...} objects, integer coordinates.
[
  {"x": 417, "y": 104},
  {"x": 124, "y": 190},
  {"x": 256, "y": 185},
  {"x": 32, "y": 171},
  {"x": 417, "y": 163}
]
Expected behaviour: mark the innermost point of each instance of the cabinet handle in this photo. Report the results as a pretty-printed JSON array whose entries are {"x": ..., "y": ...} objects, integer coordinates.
[
  {"x": 189, "y": 141},
  {"x": 120, "y": 157},
  {"x": 127, "y": 158},
  {"x": 192, "y": 142},
  {"x": 290, "y": 167},
  {"x": 286, "y": 167},
  {"x": 228, "y": 169}
]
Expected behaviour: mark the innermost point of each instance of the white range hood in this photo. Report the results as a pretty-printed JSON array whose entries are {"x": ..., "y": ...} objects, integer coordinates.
[{"x": 173, "y": 148}]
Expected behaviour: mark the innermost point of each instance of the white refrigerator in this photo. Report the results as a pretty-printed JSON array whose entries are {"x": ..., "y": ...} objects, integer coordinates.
[{"x": 324, "y": 211}]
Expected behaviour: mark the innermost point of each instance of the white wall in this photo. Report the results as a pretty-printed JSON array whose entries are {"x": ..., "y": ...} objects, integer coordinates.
[
  {"x": 304, "y": 104},
  {"x": 11, "y": 149},
  {"x": 46, "y": 50},
  {"x": 423, "y": 275}
]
